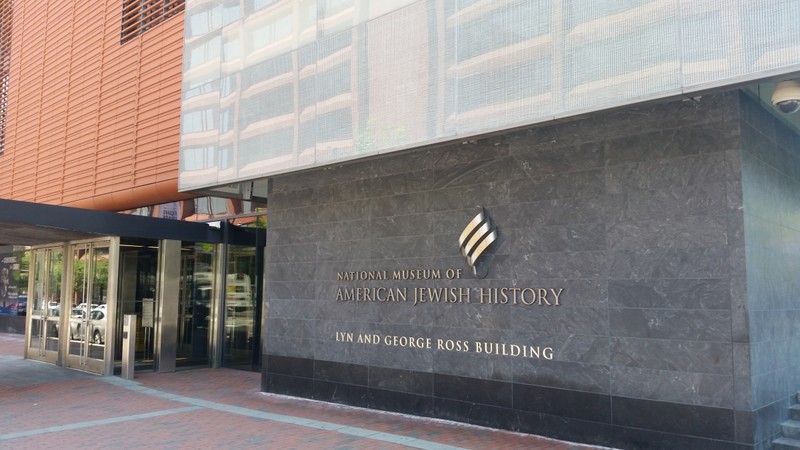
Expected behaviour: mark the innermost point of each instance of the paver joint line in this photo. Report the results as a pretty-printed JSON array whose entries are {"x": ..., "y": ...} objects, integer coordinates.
[
  {"x": 92, "y": 423},
  {"x": 300, "y": 421}
]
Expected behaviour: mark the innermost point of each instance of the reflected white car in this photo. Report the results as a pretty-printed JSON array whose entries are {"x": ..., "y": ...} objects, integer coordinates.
[
  {"x": 97, "y": 326},
  {"x": 83, "y": 306},
  {"x": 76, "y": 323}
]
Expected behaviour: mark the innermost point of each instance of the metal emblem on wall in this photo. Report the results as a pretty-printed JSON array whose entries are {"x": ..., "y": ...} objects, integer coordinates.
[{"x": 478, "y": 235}]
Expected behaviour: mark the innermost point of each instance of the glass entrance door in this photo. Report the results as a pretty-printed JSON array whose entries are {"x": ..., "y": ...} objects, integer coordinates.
[
  {"x": 242, "y": 312},
  {"x": 197, "y": 283},
  {"x": 137, "y": 293},
  {"x": 45, "y": 304},
  {"x": 89, "y": 307}
]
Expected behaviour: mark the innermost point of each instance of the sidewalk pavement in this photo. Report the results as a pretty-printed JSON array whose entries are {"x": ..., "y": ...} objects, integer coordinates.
[{"x": 43, "y": 406}]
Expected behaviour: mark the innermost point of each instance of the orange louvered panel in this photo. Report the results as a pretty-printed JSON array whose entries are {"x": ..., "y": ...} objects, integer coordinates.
[{"x": 91, "y": 121}]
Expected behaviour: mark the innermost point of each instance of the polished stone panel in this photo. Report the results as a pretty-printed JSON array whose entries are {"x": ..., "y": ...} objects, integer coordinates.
[
  {"x": 341, "y": 373},
  {"x": 670, "y": 293},
  {"x": 347, "y": 394},
  {"x": 400, "y": 380},
  {"x": 561, "y": 413},
  {"x": 401, "y": 402},
  {"x": 474, "y": 413},
  {"x": 679, "y": 387},
  {"x": 688, "y": 325},
  {"x": 665, "y": 354},
  {"x": 562, "y": 402},
  {"x": 665, "y": 225},
  {"x": 594, "y": 378},
  {"x": 700, "y": 421}
]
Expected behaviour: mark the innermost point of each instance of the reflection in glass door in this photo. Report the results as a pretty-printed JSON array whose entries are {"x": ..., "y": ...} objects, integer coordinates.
[
  {"x": 88, "y": 315},
  {"x": 195, "y": 304},
  {"x": 47, "y": 264},
  {"x": 241, "y": 313},
  {"x": 137, "y": 293}
]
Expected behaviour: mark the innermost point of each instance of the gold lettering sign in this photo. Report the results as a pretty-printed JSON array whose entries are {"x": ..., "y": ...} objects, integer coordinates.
[
  {"x": 512, "y": 350},
  {"x": 420, "y": 295}
]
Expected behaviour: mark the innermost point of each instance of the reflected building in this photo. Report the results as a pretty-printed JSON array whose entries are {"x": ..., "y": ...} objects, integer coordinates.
[{"x": 275, "y": 86}]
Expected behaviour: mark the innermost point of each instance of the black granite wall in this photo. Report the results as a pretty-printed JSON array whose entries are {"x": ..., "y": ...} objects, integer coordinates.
[
  {"x": 771, "y": 188},
  {"x": 636, "y": 214},
  {"x": 12, "y": 324}
]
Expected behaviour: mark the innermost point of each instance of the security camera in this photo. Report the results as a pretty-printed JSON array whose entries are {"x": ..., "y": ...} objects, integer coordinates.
[{"x": 787, "y": 96}]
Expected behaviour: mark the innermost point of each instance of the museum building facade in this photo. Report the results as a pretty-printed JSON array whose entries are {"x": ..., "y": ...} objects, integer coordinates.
[
  {"x": 573, "y": 218},
  {"x": 570, "y": 218}
]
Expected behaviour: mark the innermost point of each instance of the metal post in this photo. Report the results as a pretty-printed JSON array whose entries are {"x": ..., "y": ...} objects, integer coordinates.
[{"x": 128, "y": 345}]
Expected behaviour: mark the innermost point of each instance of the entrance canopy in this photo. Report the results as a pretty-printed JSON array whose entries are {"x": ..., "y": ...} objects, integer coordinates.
[{"x": 31, "y": 224}]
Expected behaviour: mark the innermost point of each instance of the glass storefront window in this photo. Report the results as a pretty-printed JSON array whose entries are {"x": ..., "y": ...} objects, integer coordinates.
[{"x": 14, "y": 280}]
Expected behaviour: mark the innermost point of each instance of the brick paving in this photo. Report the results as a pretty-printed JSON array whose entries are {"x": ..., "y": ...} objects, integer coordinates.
[{"x": 43, "y": 406}]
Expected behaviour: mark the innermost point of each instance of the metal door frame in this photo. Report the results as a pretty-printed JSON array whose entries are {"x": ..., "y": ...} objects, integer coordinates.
[
  {"x": 41, "y": 353},
  {"x": 61, "y": 356},
  {"x": 82, "y": 361}
]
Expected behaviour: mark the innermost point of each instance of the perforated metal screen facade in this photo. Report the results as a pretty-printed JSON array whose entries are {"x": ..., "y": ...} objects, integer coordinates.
[
  {"x": 139, "y": 16},
  {"x": 276, "y": 86},
  {"x": 6, "y": 9}
]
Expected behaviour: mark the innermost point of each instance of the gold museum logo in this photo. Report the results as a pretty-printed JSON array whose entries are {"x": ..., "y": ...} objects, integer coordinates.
[{"x": 477, "y": 236}]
